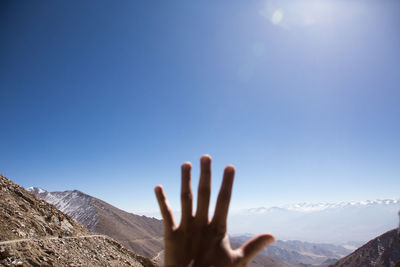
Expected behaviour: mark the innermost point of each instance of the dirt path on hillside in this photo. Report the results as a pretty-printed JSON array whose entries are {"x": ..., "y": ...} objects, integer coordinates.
[
  {"x": 68, "y": 237},
  {"x": 48, "y": 238},
  {"x": 145, "y": 239},
  {"x": 156, "y": 257}
]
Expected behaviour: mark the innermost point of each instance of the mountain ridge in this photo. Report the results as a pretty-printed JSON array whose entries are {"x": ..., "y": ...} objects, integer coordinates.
[
  {"x": 383, "y": 250},
  {"x": 310, "y": 207}
]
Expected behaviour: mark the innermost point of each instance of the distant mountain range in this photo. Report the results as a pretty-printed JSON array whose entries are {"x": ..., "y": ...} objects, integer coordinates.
[
  {"x": 353, "y": 223},
  {"x": 301, "y": 253},
  {"x": 312, "y": 207}
]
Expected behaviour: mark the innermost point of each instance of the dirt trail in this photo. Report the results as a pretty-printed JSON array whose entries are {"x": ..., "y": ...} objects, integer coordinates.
[
  {"x": 68, "y": 237},
  {"x": 155, "y": 258},
  {"x": 145, "y": 239},
  {"x": 48, "y": 238}
]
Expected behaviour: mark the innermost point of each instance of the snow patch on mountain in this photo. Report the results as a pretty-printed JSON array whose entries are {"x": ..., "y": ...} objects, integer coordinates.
[
  {"x": 36, "y": 189},
  {"x": 74, "y": 203}
]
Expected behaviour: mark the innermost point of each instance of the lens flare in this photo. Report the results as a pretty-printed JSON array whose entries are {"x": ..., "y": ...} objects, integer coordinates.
[{"x": 277, "y": 17}]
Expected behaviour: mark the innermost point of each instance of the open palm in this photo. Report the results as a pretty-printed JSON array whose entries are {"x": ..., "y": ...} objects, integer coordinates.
[{"x": 198, "y": 241}]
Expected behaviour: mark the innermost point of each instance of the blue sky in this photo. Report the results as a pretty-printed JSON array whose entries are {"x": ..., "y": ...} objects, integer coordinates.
[{"x": 111, "y": 97}]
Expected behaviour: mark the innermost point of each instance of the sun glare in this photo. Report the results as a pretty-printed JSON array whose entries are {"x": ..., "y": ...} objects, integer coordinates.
[
  {"x": 277, "y": 17},
  {"x": 288, "y": 14}
]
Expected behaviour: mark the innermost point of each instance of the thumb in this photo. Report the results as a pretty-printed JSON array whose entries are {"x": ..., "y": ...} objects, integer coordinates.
[{"x": 255, "y": 245}]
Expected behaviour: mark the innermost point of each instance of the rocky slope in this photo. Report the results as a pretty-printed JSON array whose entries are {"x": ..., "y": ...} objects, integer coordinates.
[
  {"x": 139, "y": 233},
  {"x": 381, "y": 251},
  {"x": 70, "y": 251},
  {"x": 35, "y": 233},
  {"x": 25, "y": 216}
]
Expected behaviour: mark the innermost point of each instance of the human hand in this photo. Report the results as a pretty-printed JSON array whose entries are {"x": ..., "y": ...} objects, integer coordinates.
[{"x": 198, "y": 241}]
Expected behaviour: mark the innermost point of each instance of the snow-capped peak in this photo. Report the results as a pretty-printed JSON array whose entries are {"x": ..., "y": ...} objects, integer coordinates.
[{"x": 36, "y": 189}]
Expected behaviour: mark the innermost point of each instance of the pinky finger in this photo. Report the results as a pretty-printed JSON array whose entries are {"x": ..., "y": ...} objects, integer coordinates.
[{"x": 166, "y": 212}]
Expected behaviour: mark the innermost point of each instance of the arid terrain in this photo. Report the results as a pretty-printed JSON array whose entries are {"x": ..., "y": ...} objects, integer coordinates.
[{"x": 34, "y": 233}]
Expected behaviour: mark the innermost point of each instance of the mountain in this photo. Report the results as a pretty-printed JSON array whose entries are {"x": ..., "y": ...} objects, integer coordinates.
[
  {"x": 35, "y": 233},
  {"x": 350, "y": 221},
  {"x": 381, "y": 251},
  {"x": 302, "y": 253},
  {"x": 142, "y": 234}
]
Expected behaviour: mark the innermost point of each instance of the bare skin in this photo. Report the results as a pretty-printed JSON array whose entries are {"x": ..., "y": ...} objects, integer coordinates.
[{"x": 197, "y": 241}]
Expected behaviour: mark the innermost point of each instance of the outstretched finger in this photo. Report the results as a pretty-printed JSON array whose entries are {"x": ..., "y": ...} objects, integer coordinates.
[
  {"x": 255, "y": 245},
  {"x": 166, "y": 212},
  {"x": 204, "y": 191},
  {"x": 224, "y": 197},
  {"x": 186, "y": 194}
]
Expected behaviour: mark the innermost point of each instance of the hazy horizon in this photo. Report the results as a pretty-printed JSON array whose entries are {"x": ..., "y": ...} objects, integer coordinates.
[
  {"x": 314, "y": 223},
  {"x": 111, "y": 97}
]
